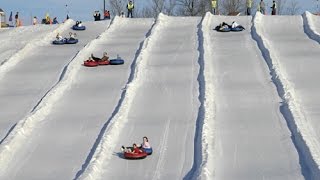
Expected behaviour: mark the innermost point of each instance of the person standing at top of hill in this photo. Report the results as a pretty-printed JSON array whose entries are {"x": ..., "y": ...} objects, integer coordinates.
[
  {"x": 249, "y": 5},
  {"x": 16, "y": 17},
  {"x": 274, "y": 8},
  {"x": 262, "y": 7},
  {"x": 130, "y": 8},
  {"x": 214, "y": 6},
  {"x": 35, "y": 20}
]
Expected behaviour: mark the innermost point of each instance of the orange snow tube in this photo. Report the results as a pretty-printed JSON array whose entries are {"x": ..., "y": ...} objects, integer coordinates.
[
  {"x": 90, "y": 63},
  {"x": 129, "y": 155}
]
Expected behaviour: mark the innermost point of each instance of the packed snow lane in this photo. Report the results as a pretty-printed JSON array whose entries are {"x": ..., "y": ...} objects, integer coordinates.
[
  {"x": 12, "y": 40},
  {"x": 24, "y": 84},
  {"x": 60, "y": 145},
  {"x": 164, "y": 105},
  {"x": 252, "y": 140},
  {"x": 295, "y": 59}
]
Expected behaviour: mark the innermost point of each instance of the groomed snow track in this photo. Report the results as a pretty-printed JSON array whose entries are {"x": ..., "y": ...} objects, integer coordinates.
[{"x": 237, "y": 105}]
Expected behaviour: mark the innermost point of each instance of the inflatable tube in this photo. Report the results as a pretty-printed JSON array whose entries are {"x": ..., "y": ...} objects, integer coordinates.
[
  {"x": 135, "y": 156},
  {"x": 147, "y": 150},
  {"x": 237, "y": 29},
  {"x": 63, "y": 41},
  {"x": 104, "y": 62},
  {"x": 75, "y": 27},
  {"x": 90, "y": 63},
  {"x": 71, "y": 41},
  {"x": 116, "y": 61},
  {"x": 224, "y": 30}
]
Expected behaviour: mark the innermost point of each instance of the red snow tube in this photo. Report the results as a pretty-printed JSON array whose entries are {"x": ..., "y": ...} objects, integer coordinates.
[
  {"x": 90, "y": 63},
  {"x": 106, "y": 62},
  {"x": 141, "y": 155}
]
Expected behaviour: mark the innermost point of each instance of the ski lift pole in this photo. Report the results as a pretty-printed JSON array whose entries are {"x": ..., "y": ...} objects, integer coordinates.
[{"x": 104, "y": 9}]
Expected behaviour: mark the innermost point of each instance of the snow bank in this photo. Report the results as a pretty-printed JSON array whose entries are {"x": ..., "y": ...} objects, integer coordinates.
[
  {"x": 31, "y": 46},
  {"x": 206, "y": 170},
  {"x": 309, "y": 26},
  {"x": 303, "y": 134},
  {"x": 102, "y": 153},
  {"x": 25, "y": 127}
]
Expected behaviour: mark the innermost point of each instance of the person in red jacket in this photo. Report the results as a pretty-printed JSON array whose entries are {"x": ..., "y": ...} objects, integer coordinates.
[{"x": 135, "y": 149}]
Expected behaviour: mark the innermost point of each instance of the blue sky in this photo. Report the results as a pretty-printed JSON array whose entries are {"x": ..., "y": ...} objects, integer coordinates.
[{"x": 80, "y": 9}]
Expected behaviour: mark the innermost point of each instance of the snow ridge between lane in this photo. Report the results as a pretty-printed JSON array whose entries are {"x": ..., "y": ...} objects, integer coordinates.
[
  {"x": 204, "y": 137},
  {"x": 102, "y": 153},
  {"x": 26, "y": 126},
  {"x": 309, "y": 27},
  {"x": 206, "y": 170},
  {"x": 8, "y": 64},
  {"x": 303, "y": 135}
]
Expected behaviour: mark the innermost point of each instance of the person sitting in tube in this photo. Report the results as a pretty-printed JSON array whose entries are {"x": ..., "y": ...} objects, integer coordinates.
[
  {"x": 145, "y": 143},
  {"x": 104, "y": 57},
  {"x": 135, "y": 149}
]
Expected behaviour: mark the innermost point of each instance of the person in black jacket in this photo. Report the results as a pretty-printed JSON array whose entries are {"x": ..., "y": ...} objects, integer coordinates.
[{"x": 274, "y": 8}]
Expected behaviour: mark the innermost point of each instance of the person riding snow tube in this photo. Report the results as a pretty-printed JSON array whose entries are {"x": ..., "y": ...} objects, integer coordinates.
[
  {"x": 133, "y": 152},
  {"x": 71, "y": 41},
  {"x": 236, "y": 27},
  {"x": 145, "y": 145},
  {"x": 90, "y": 63},
  {"x": 59, "y": 42},
  {"x": 77, "y": 28},
  {"x": 223, "y": 27}
]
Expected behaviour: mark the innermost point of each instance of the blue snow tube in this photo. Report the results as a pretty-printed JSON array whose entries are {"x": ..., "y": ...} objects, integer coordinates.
[
  {"x": 59, "y": 42},
  {"x": 147, "y": 150},
  {"x": 237, "y": 29},
  {"x": 81, "y": 28},
  {"x": 116, "y": 61},
  {"x": 224, "y": 30},
  {"x": 71, "y": 41}
]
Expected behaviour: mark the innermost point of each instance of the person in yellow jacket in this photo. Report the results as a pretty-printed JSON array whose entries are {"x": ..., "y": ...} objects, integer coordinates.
[
  {"x": 214, "y": 6},
  {"x": 249, "y": 5},
  {"x": 130, "y": 8}
]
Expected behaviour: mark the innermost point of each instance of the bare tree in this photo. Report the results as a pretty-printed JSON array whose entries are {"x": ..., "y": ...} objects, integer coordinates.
[
  {"x": 146, "y": 12},
  {"x": 157, "y": 7},
  {"x": 293, "y": 7},
  {"x": 281, "y": 4},
  {"x": 232, "y": 6},
  {"x": 169, "y": 7},
  {"x": 117, "y": 6},
  {"x": 192, "y": 7}
]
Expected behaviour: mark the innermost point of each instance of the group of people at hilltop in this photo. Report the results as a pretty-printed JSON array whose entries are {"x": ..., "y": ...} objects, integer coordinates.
[
  {"x": 261, "y": 7},
  {"x": 130, "y": 8}
]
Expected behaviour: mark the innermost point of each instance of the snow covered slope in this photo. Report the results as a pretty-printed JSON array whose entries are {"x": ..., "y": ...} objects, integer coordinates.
[
  {"x": 35, "y": 71},
  {"x": 312, "y": 26},
  {"x": 82, "y": 110},
  {"x": 237, "y": 105},
  {"x": 14, "y": 39},
  {"x": 160, "y": 103},
  {"x": 295, "y": 59},
  {"x": 252, "y": 140}
]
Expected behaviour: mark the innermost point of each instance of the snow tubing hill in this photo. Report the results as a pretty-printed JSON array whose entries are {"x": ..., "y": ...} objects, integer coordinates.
[
  {"x": 135, "y": 156},
  {"x": 63, "y": 41},
  {"x": 90, "y": 63},
  {"x": 71, "y": 41},
  {"x": 147, "y": 150},
  {"x": 116, "y": 61},
  {"x": 77, "y": 28}
]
